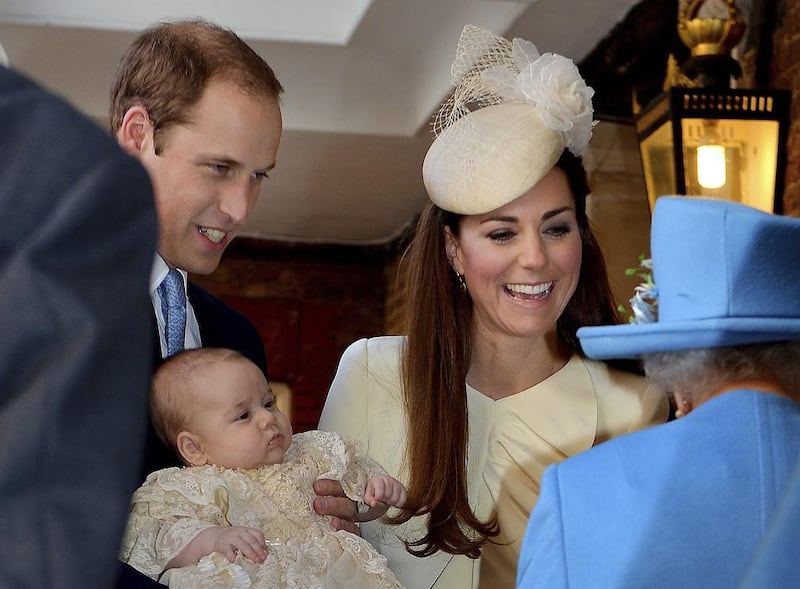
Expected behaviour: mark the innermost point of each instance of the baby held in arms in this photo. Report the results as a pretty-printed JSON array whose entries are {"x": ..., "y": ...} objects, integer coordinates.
[{"x": 240, "y": 513}]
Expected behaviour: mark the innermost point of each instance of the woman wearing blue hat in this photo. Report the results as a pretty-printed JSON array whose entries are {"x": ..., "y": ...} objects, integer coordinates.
[{"x": 685, "y": 504}]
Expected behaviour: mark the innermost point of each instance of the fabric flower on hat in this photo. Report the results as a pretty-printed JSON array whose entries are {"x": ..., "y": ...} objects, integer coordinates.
[
  {"x": 553, "y": 85},
  {"x": 511, "y": 115},
  {"x": 505, "y": 79}
]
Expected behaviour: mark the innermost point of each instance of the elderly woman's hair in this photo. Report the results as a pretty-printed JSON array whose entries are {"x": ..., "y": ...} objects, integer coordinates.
[{"x": 697, "y": 373}]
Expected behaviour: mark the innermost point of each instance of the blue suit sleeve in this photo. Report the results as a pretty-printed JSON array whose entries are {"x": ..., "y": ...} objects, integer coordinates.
[{"x": 542, "y": 560}]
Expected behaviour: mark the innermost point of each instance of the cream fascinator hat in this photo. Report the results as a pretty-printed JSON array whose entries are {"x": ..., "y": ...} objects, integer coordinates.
[{"x": 511, "y": 115}]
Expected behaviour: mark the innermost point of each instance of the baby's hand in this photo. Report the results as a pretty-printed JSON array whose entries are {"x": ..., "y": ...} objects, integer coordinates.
[
  {"x": 385, "y": 489},
  {"x": 249, "y": 541}
]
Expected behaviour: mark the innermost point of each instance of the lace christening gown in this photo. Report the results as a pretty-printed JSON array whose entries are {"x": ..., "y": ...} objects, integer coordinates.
[{"x": 175, "y": 504}]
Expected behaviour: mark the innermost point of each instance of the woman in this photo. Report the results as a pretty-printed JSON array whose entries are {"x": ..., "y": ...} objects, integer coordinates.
[
  {"x": 490, "y": 387},
  {"x": 686, "y": 504}
]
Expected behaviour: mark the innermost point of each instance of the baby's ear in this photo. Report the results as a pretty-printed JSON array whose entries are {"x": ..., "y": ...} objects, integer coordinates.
[{"x": 190, "y": 449}]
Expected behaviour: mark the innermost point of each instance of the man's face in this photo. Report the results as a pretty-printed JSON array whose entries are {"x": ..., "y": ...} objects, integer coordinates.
[{"x": 209, "y": 173}]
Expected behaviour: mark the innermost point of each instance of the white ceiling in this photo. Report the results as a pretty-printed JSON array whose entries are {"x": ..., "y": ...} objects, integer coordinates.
[{"x": 362, "y": 80}]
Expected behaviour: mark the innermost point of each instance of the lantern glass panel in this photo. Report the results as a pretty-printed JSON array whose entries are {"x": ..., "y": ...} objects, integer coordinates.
[
  {"x": 751, "y": 153},
  {"x": 658, "y": 163}
]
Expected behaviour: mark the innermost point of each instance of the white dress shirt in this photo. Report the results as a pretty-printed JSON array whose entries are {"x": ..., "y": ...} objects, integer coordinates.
[{"x": 192, "y": 337}]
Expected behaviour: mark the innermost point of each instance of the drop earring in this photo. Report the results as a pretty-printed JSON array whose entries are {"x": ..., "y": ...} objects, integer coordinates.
[
  {"x": 459, "y": 277},
  {"x": 461, "y": 282},
  {"x": 679, "y": 412}
]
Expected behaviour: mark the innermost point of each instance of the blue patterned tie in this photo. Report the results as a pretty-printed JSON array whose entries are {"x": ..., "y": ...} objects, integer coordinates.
[{"x": 173, "y": 307}]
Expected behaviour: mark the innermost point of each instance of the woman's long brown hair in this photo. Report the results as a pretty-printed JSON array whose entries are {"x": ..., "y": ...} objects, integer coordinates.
[{"x": 435, "y": 363}]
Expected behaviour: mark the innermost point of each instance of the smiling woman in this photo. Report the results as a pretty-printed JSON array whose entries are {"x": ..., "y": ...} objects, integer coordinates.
[
  {"x": 490, "y": 386},
  {"x": 520, "y": 263}
]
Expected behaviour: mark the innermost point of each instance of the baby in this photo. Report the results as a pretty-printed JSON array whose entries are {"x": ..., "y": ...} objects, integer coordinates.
[{"x": 240, "y": 514}]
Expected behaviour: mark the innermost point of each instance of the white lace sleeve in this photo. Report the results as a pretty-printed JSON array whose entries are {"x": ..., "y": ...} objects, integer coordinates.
[
  {"x": 339, "y": 459},
  {"x": 167, "y": 512}
]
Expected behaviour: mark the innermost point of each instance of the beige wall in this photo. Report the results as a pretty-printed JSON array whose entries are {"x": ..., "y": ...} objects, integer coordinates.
[{"x": 618, "y": 206}]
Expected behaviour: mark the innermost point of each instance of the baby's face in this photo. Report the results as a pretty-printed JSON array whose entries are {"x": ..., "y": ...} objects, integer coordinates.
[{"x": 235, "y": 418}]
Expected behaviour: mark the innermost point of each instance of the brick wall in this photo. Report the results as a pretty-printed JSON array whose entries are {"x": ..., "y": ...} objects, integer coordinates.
[
  {"x": 308, "y": 303},
  {"x": 785, "y": 73}
]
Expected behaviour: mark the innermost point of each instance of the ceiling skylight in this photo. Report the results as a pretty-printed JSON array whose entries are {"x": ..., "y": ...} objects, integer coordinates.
[{"x": 312, "y": 21}]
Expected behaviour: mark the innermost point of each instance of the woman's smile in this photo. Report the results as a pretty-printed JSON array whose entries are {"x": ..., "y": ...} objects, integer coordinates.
[{"x": 529, "y": 292}]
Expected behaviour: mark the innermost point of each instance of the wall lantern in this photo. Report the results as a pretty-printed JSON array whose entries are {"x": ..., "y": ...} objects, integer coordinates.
[{"x": 700, "y": 137}]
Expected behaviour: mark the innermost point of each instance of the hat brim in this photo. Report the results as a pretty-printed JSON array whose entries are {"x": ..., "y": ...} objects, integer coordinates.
[{"x": 634, "y": 339}]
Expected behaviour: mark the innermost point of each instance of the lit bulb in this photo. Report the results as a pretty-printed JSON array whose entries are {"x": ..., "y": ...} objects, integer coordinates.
[{"x": 711, "y": 166}]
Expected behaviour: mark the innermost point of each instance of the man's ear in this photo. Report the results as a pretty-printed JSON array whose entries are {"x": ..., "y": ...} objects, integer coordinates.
[
  {"x": 190, "y": 449},
  {"x": 451, "y": 250},
  {"x": 135, "y": 131}
]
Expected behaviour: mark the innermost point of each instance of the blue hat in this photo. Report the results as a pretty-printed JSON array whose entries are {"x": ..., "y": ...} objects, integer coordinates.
[{"x": 726, "y": 275}]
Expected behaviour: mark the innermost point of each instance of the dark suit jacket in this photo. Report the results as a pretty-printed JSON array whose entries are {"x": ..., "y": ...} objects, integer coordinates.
[
  {"x": 220, "y": 327},
  {"x": 79, "y": 228}
]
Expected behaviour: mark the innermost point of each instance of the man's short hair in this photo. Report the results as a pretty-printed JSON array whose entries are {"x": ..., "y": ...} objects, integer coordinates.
[{"x": 168, "y": 66}]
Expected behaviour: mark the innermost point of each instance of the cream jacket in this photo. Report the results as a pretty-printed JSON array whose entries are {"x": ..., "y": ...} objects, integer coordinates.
[{"x": 511, "y": 441}]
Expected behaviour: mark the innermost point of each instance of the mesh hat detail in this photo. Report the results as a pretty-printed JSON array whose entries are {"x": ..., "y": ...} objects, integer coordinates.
[{"x": 510, "y": 116}]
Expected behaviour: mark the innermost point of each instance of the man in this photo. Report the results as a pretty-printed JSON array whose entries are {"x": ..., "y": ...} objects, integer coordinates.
[
  {"x": 200, "y": 110},
  {"x": 80, "y": 227}
]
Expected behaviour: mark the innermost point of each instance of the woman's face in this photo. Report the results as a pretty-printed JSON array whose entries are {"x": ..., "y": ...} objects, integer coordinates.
[{"x": 521, "y": 262}]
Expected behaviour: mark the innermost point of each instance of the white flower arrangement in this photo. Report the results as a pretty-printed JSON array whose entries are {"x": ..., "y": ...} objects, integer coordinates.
[
  {"x": 644, "y": 302},
  {"x": 553, "y": 85}
]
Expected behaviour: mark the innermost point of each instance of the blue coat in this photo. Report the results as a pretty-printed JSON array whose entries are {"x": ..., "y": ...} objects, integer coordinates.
[
  {"x": 682, "y": 504},
  {"x": 775, "y": 563}
]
